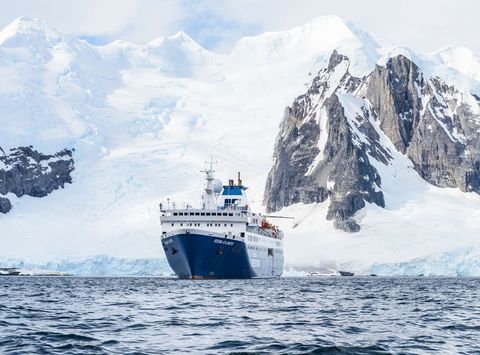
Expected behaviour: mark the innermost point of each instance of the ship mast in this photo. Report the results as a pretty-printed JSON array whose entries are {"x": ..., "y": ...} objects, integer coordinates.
[{"x": 208, "y": 197}]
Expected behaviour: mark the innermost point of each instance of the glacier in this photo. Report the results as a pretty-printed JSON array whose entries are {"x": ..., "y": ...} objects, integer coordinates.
[
  {"x": 143, "y": 118},
  {"x": 463, "y": 262},
  {"x": 98, "y": 265}
]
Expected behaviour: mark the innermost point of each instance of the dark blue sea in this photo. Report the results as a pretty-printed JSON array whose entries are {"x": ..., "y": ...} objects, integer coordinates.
[{"x": 335, "y": 315}]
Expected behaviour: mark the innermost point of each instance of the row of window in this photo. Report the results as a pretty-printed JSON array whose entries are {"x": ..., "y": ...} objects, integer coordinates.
[
  {"x": 270, "y": 251},
  {"x": 204, "y": 214},
  {"x": 199, "y": 224}
]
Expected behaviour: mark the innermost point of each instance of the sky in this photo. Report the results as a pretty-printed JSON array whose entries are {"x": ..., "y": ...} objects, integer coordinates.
[{"x": 422, "y": 25}]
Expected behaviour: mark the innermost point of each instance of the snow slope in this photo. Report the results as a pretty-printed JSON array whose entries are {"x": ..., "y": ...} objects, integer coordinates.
[{"x": 144, "y": 118}]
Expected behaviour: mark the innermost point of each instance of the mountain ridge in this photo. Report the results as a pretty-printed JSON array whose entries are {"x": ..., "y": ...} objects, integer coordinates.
[{"x": 142, "y": 126}]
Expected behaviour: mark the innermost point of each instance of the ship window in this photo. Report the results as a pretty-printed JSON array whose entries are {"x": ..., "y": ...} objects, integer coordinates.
[
  {"x": 202, "y": 214},
  {"x": 175, "y": 213},
  {"x": 173, "y": 224},
  {"x": 225, "y": 224},
  {"x": 224, "y": 213},
  {"x": 181, "y": 224},
  {"x": 197, "y": 214},
  {"x": 230, "y": 214},
  {"x": 231, "y": 224},
  {"x": 208, "y": 213},
  {"x": 180, "y": 213}
]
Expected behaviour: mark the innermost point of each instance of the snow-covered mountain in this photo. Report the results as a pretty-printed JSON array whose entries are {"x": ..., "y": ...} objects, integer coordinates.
[
  {"x": 140, "y": 120},
  {"x": 336, "y": 138}
]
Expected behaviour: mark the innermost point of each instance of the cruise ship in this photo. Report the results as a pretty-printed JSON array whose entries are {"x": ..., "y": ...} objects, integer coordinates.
[{"x": 223, "y": 239}]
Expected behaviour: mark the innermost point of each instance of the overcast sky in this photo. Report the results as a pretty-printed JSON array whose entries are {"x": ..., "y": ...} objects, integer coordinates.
[{"x": 422, "y": 25}]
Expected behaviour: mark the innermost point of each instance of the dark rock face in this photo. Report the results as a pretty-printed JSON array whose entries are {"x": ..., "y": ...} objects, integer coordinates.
[
  {"x": 392, "y": 91},
  {"x": 332, "y": 137},
  {"x": 5, "y": 205},
  {"x": 427, "y": 120},
  {"x": 25, "y": 171},
  {"x": 355, "y": 179},
  {"x": 307, "y": 169}
]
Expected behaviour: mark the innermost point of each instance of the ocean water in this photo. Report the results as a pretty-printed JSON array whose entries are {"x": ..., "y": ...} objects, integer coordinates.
[{"x": 284, "y": 316}]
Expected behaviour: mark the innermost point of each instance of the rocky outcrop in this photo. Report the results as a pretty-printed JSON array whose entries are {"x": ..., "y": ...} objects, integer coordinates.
[
  {"x": 429, "y": 121},
  {"x": 333, "y": 136},
  {"x": 5, "y": 205},
  {"x": 317, "y": 155},
  {"x": 25, "y": 171}
]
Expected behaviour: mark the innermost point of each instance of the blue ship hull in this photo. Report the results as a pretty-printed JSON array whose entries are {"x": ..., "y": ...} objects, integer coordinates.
[{"x": 197, "y": 256}]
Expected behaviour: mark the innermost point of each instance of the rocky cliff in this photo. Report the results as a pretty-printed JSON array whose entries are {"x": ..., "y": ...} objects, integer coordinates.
[
  {"x": 333, "y": 138},
  {"x": 25, "y": 171}
]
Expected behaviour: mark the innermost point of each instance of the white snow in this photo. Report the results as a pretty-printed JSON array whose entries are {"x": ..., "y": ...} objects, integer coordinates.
[
  {"x": 322, "y": 140},
  {"x": 144, "y": 118}
]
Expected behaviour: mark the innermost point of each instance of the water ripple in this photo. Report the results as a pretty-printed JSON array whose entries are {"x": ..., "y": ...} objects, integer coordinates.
[{"x": 282, "y": 316}]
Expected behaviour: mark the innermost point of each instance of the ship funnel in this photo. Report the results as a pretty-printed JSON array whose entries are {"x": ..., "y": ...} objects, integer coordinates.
[{"x": 239, "y": 183}]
